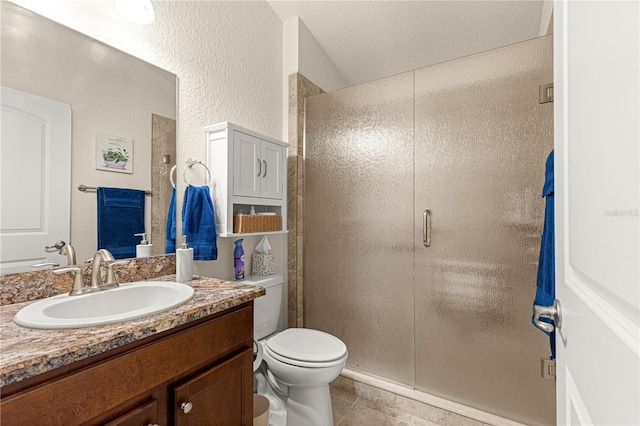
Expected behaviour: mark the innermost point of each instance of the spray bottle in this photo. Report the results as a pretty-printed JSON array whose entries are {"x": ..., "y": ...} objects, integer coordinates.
[{"x": 238, "y": 260}]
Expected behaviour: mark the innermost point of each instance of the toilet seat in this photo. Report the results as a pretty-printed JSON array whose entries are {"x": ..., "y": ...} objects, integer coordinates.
[{"x": 306, "y": 348}]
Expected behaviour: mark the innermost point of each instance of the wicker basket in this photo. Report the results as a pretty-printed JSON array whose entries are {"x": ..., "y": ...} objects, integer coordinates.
[{"x": 244, "y": 223}]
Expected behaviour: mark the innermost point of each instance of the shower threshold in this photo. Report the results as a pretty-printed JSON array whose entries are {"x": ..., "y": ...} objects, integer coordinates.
[{"x": 433, "y": 409}]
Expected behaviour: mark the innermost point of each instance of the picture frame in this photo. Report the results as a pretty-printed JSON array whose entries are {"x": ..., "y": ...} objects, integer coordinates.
[{"x": 114, "y": 153}]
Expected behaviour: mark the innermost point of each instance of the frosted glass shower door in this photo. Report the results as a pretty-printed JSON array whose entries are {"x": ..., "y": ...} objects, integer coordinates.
[
  {"x": 358, "y": 223},
  {"x": 481, "y": 141}
]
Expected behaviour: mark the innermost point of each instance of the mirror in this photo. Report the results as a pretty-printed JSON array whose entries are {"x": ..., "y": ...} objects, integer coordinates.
[{"x": 111, "y": 95}]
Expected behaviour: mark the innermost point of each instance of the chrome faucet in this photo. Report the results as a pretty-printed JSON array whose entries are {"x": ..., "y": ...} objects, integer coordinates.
[
  {"x": 63, "y": 249},
  {"x": 96, "y": 276},
  {"x": 70, "y": 252}
]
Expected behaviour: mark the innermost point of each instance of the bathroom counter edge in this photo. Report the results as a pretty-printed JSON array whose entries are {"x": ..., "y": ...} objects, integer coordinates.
[{"x": 29, "y": 352}]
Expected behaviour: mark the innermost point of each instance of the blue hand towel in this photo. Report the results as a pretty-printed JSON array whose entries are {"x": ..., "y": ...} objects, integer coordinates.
[
  {"x": 170, "y": 229},
  {"x": 120, "y": 216},
  {"x": 546, "y": 282},
  {"x": 199, "y": 223}
]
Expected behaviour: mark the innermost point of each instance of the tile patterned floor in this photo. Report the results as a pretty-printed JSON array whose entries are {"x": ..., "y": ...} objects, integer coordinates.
[{"x": 355, "y": 404}]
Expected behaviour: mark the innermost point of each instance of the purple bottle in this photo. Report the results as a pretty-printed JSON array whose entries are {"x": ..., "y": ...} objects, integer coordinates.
[{"x": 238, "y": 260}]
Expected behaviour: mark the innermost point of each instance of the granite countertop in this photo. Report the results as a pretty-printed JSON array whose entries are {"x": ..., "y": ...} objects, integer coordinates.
[{"x": 28, "y": 352}]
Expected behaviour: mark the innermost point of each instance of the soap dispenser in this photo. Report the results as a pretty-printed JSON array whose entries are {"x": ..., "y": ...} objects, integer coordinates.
[
  {"x": 144, "y": 249},
  {"x": 184, "y": 262}
]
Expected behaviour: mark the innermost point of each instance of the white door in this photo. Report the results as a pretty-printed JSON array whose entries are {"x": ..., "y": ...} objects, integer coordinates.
[
  {"x": 247, "y": 167},
  {"x": 597, "y": 199},
  {"x": 271, "y": 185},
  {"x": 35, "y": 155}
]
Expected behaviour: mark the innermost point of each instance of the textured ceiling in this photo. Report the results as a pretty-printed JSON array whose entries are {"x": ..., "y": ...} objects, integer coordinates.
[{"x": 367, "y": 40}]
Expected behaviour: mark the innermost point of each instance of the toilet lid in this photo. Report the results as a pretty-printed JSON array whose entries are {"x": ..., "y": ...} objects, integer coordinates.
[{"x": 303, "y": 344}]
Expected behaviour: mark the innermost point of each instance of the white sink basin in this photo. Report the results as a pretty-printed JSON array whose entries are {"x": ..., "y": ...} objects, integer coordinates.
[{"x": 129, "y": 301}]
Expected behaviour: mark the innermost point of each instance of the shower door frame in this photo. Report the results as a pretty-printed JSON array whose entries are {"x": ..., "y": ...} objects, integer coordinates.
[{"x": 325, "y": 291}]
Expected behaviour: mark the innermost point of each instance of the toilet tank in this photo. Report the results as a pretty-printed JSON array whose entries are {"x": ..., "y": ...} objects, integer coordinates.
[{"x": 266, "y": 309}]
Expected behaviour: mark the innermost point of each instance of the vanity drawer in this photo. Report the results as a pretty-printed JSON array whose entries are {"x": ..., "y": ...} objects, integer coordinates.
[
  {"x": 147, "y": 414},
  {"x": 86, "y": 393}
]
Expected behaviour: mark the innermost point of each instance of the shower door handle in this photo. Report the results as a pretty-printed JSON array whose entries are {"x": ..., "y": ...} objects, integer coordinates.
[{"x": 426, "y": 228}]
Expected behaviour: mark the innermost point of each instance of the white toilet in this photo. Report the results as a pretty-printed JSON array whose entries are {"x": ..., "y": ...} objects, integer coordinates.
[{"x": 300, "y": 363}]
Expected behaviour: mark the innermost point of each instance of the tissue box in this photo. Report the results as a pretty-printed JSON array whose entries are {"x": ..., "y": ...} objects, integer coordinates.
[{"x": 263, "y": 264}]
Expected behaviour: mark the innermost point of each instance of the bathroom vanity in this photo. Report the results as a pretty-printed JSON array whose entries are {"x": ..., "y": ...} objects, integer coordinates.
[{"x": 189, "y": 365}]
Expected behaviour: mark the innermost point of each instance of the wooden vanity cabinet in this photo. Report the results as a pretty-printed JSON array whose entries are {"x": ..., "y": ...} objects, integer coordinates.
[
  {"x": 145, "y": 415},
  {"x": 211, "y": 398},
  {"x": 207, "y": 364}
]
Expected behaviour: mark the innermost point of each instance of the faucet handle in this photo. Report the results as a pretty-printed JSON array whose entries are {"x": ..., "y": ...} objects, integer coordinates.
[
  {"x": 111, "y": 276},
  {"x": 77, "y": 280}
]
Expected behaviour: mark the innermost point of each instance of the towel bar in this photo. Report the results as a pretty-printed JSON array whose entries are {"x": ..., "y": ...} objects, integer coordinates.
[{"x": 85, "y": 188}]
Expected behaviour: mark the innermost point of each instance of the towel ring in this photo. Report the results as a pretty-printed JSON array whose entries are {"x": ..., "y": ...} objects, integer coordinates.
[
  {"x": 190, "y": 163},
  {"x": 173, "y": 182}
]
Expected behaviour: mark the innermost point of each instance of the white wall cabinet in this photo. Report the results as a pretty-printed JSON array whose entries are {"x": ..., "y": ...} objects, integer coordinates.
[
  {"x": 257, "y": 167},
  {"x": 248, "y": 169}
]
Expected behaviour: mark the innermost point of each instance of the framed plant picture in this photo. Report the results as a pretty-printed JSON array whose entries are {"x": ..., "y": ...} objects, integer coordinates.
[{"x": 114, "y": 153}]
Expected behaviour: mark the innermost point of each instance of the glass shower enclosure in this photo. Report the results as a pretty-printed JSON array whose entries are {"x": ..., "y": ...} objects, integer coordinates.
[{"x": 454, "y": 154}]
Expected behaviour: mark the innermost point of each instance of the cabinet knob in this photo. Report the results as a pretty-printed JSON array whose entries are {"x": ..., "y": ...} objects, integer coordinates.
[{"x": 186, "y": 407}]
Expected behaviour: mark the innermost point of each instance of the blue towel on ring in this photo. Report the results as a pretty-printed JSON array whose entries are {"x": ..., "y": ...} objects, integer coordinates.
[
  {"x": 546, "y": 281},
  {"x": 199, "y": 223},
  {"x": 120, "y": 216},
  {"x": 170, "y": 228}
]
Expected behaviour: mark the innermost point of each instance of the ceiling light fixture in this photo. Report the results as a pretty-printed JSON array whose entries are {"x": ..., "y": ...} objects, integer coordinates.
[{"x": 138, "y": 11}]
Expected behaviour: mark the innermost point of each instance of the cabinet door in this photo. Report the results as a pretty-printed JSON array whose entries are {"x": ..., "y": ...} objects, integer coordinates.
[
  {"x": 221, "y": 396},
  {"x": 247, "y": 166},
  {"x": 271, "y": 183},
  {"x": 145, "y": 415}
]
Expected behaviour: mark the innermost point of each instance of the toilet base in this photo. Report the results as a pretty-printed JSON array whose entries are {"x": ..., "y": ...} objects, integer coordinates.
[{"x": 309, "y": 406}]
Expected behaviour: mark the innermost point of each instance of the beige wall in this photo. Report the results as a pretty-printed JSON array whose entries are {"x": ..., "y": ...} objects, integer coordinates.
[
  {"x": 302, "y": 54},
  {"x": 228, "y": 59}
]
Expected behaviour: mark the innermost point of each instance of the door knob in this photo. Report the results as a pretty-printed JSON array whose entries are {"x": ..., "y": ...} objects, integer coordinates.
[
  {"x": 57, "y": 246},
  {"x": 553, "y": 313},
  {"x": 186, "y": 407}
]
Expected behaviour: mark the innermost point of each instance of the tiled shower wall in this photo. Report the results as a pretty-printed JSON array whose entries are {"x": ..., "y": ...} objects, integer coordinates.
[
  {"x": 163, "y": 143},
  {"x": 299, "y": 88}
]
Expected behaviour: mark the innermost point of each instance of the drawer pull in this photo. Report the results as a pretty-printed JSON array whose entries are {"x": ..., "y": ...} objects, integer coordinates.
[
  {"x": 186, "y": 407},
  {"x": 153, "y": 424}
]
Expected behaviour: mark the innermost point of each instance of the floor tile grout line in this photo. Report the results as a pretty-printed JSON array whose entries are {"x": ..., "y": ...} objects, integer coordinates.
[{"x": 348, "y": 409}]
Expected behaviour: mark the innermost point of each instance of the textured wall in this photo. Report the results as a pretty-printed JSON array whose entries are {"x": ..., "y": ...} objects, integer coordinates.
[
  {"x": 228, "y": 59},
  {"x": 314, "y": 63},
  {"x": 302, "y": 54}
]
